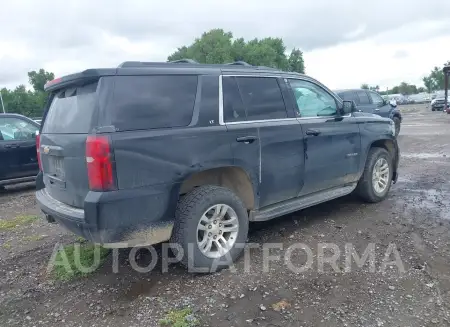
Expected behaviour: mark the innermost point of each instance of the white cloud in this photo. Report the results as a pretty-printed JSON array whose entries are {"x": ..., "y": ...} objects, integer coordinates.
[
  {"x": 352, "y": 64},
  {"x": 339, "y": 38}
]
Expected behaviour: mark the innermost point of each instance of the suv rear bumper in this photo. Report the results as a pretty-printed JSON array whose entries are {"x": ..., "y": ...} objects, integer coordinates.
[{"x": 111, "y": 221}]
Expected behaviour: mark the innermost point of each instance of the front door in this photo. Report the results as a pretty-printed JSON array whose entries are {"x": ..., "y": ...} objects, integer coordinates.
[
  {"x": 18, "y": 147},
  {"x": 332, "y": 142},
  {"x": 381, "y": 107},
  {"x": 264, "y": 138}
]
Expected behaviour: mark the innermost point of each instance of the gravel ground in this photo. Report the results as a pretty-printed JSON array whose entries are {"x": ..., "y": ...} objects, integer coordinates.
[{"x": 414, "y": 221}]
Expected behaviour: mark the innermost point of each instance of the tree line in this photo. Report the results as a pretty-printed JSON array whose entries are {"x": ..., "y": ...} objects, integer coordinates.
[
  {"x": 434, "y": 81},
  {"x": 213, "y": 47}
]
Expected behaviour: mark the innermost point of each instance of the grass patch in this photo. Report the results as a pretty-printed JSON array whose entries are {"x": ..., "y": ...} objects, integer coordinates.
[
  {"x": 17, "y": 222},
  {"x": 77, "y": 260},
  {"x": 179, "y": 318},
  {"x": 7, "y": 246},
  {"x": 33, "y": 238}
]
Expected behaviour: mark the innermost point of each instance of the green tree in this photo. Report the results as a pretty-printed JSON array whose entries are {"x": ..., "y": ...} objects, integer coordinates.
[
  {"x": 217, "y": 47},
  {"x": 296, "y": 62},
  {"x": 435, "y": 80},
  {"x": 38, "y": 79},
  {"x": 27, "y": 102},
  {"x": 365, "y": 86}
]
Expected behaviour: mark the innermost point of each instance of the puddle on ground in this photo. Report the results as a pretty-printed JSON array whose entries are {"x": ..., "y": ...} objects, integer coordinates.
[
  {"x": 437, "y": 201},
  {"x": 425, "y": 155}
]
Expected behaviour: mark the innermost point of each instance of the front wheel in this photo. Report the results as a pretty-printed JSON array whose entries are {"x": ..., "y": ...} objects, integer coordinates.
[
  {"x": 376, "y": 179},
  {"x": 211, "y": 227}
]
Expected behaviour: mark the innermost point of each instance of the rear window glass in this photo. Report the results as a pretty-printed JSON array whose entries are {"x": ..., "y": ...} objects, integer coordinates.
[
  {"x": 71, "y": 110},
  {"x": 146, "y": 102}
]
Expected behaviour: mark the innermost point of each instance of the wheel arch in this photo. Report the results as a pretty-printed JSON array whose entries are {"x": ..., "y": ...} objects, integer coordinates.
[
  {"x": 234, "y": 178},
  {"x": 390, "y": 145}
]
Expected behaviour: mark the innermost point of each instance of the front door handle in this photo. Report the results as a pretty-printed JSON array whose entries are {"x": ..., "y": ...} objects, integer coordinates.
[
  {"x": 313, "y": 132},
  {"x": 246, "y": 139},
  {"x": 377, "y": 109},
  {"x": 11, "y": 146}
]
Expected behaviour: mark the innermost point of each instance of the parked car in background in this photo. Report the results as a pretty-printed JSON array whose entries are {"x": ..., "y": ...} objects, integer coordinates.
[
  {"x": 18, "y": 159},
  {"x": 37, "y": 120},
  {"x": 438, "y": 103},
  {"x": 180, "y": 151},
  {"x": 372, "y": 102},
  {"x": 420, "y": 98}
]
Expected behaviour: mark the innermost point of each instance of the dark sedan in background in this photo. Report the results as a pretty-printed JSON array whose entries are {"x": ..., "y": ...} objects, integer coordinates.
[{"x": 18, "y": 158}]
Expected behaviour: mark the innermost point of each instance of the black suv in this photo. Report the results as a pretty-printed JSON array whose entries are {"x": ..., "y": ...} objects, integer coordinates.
[
  {"x": 186, "y": 152},
  {"x": 18, "y": 159},
  {"x": 371, "y": 102}
]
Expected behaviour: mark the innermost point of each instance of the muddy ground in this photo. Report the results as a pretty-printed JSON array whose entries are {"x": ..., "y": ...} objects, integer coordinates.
[{"x": 415, "y": 218}]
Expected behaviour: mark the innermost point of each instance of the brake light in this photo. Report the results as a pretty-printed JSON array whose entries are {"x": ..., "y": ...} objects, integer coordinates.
[
  {"x": 99, "y": 164},
  {"x": 38, "y": 150},
  {"x": 54, "y": 81}
]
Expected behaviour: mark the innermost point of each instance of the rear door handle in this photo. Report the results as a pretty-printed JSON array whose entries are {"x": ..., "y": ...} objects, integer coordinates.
[
  {"x": 246, "y": 139},
  {"x": 313, "y": 132},
  {"x": 10, "y": 146}
]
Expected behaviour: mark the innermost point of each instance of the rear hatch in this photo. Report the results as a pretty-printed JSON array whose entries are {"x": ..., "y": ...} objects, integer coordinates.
[{"x": 70, "y": 117}]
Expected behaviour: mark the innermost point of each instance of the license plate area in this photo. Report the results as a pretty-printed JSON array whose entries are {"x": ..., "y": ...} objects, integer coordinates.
[{"x": 56, "y": 167}]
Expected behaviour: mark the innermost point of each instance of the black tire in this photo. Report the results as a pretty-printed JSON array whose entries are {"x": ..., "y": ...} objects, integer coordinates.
[
  {"x": 365, "y": 188},
  {"x": 432, "y": 109},
  {"x": 397, "y": 124},
  {"x": 189, "y": 210}
]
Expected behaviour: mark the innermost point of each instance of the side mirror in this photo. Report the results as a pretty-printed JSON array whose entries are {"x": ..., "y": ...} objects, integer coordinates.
[
  {"x": 393, "y": 103},
  {"x": 348, "y": 107}
]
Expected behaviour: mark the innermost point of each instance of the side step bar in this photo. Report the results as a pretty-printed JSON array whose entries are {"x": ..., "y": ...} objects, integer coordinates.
[
  {"x": 17, "y": 180},
  {"x": 289, "y": 206}
]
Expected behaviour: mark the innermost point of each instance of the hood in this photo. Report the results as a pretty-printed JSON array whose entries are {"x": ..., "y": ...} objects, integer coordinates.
[{"x": 370, "y": 115}]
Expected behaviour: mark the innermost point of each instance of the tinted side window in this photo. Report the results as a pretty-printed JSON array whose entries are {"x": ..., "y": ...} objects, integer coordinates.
[
  {"x": 262, "y": 98},
  {"x": 146, "y": 102},
  {"x": 312, "y": 100},
  {"x": 349, "y": 96},
  {"x": 363, "y": 97},
  {"x": 376, "y": 98},
  {"x": 16, "y": 129},
  {"x": 233, "y": 107}
]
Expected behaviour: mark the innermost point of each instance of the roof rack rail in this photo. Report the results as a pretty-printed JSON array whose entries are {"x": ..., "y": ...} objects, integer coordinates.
[
  {"x": 183, "y": 61},
  {"x": 238, "y": 63}
]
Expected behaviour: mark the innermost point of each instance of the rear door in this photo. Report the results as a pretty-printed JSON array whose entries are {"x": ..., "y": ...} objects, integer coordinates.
[
  {"x": 364, "y": 102},
  {"x": 71, "y": 116},
  {"x": 17, "y": 148}
]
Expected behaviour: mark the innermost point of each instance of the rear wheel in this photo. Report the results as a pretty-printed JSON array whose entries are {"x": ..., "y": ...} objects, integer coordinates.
[
  {"x": 376, "y": 180},
  {"x": 432, "y": 109},
  {"x": 211, "y": 227}
]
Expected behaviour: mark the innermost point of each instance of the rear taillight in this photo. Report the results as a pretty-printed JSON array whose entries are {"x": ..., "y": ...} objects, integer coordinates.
[
  {"x": 99, "y": 164},
  {"x": 38, "y": 150}
]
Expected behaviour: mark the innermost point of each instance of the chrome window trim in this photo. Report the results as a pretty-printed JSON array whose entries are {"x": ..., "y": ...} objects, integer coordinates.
[
  {"x": 261, "y": 121},
  {"x": 221, "y": 118}
]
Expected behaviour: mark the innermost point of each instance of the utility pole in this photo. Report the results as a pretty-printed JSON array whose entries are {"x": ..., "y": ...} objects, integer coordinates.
[{"x": 1, "y": 100}]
